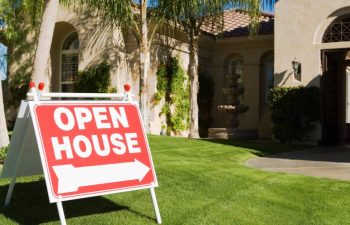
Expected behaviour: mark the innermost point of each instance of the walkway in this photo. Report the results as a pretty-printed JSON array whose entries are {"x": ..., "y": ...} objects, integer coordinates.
[{"x": 329, "y": 162}]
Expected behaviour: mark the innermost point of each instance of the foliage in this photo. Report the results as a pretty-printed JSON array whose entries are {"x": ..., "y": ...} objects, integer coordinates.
[
  {"x": 191, "y": 16},
  {"x": 19, "y": 82},
  {"x": 293, "y": 111},
  {"x": 122, "y": 13},
  {"x": 21, "y": 20},
  {"x": 172, "y": 86},
  {"x": 205, "y": 103},
  {"x": 3, "y": 152},
  {"x": 194, "y": 13},
  {"x": 95, "y": 79}
]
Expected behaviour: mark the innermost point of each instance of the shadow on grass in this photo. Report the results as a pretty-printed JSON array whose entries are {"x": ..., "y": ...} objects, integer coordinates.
[
  {"x": 273, "y": 150},
  {"x": 259, "y": 147},
  {"x": 334, "y": 154},
  {"x": 30, "y": 205}
]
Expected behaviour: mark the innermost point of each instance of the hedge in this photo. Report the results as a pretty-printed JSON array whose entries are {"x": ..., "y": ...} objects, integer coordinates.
[{"x": 294, "y": 111}]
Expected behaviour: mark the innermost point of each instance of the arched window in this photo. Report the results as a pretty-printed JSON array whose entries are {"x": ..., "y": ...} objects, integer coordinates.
[
  {"x": 338, "y": 31},
  {"x": 69, "y": 62},
  {"x": 268, "y": 75}
]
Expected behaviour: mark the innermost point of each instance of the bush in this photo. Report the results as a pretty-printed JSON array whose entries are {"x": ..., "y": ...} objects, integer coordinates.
[
  {"x": 173, "y": 87},
  {"x": 3, "y": 152},
  {"x": 95, "y": 79},
  {"x": 293, "y": 111}
]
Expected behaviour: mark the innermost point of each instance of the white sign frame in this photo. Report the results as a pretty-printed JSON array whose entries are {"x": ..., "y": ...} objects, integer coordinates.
[{"x": 18, "y": 156}]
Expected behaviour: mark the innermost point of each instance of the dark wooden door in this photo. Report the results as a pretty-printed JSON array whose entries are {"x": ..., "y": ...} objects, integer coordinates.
[{"x": 330, "y": 92}]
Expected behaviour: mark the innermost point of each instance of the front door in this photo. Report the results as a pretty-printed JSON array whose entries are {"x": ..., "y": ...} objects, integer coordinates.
[{"x": 335, "y": 86}]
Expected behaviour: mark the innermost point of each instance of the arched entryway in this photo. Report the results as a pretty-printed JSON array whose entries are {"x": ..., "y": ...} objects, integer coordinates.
[{"x": 335, "y": 83}]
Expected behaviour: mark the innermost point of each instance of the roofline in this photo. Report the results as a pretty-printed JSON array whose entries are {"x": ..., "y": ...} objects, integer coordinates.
[{"x": 262, "y": 13}]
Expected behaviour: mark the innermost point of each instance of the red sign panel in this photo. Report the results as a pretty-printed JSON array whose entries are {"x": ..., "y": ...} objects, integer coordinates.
[{"x": 92, "y": 148}]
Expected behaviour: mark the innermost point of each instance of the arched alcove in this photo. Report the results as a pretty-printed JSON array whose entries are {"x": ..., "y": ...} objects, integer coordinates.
[
  {"x": 234, "y": 65},
  {"x": 326, "y": 25},
  {"x": 64, "y": 57}
]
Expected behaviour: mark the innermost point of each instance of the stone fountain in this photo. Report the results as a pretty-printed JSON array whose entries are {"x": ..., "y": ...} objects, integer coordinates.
[{"x": 231, "y": 110}]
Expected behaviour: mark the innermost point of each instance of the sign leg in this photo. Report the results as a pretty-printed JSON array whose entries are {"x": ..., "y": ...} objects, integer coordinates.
[
  {"x": 155, "y": 204},
  {"x": 10, "y": 191},
  {"x": 61, "y": 213},
  {"x": 18, "y": 162}
]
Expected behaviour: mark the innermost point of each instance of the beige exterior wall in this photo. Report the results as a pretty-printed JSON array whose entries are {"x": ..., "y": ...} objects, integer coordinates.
[
  {"x": 299, "y": 28},
  {"x": 99, "y": 42},
  {"x": 251, "y": 49}
]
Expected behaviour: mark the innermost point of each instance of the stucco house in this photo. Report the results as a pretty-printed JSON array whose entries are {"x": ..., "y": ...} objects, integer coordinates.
[
  {"x": 316, "y": 39},
  {"x": 80, "y": 42}
]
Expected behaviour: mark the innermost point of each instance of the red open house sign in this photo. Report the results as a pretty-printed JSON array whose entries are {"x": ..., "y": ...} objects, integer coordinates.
[{"x": 92, "y": 148}]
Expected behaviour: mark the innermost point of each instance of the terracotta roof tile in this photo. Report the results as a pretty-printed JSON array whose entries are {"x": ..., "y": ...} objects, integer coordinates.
[{"x": 236, "y": 24}]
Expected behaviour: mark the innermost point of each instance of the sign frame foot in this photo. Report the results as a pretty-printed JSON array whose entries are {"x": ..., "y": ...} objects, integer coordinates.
[
  {"x": 61, "y": 213},
  {"x": 18, "y": 162},
  {"x": 155, "y": 204}
]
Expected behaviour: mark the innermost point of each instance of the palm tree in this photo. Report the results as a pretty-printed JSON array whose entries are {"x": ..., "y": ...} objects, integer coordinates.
[
  {"x": 191, "y": 14},
  {"x": 44, "y": 41},
  {"x": 130, "y": 15},
  {"x": 10, "y": 10}
]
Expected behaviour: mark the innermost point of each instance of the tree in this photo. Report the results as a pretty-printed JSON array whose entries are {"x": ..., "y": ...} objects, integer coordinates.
[
  {"x": 130, "y": 16},
  {"x": 190, "y": 15},
  {"x": 17, "y": 18},
  {"x": 44, "y": 42}
]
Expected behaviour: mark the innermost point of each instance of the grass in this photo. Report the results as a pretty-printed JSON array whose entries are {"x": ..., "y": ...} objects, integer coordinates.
[{"x": 201, "y": 182}]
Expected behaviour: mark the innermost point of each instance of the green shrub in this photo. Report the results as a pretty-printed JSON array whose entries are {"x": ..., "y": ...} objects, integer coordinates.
[
  {"x": 3, "y": 152},
  {"x": 173, "y": 87},
  {"x": 18, "y": 84},
  {"x": 293, "y": 111},
  {"x": 95, "y": 79}
]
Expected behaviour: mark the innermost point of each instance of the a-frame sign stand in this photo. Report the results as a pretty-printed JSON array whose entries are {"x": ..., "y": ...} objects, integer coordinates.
[{"x": 63, "y": 140}]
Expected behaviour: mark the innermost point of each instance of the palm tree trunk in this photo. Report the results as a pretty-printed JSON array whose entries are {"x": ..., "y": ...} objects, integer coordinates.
[
  {"x": 193, "y": 74},
  {"x": 144, "y": 66},
  {"x": 44, "y": 42},
  {"x": 4, "y": 138}
]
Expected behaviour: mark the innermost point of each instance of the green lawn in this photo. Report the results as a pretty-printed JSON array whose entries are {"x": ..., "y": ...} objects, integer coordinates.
[{"x": 201, "y": 182}]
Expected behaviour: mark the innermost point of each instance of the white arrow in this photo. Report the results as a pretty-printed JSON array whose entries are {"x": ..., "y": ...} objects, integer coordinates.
[{"x": 70, "y": 178}]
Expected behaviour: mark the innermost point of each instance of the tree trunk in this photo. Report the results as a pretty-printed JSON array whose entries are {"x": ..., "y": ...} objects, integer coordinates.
[
  {"x": 4, "y": 138},
  {"x": 144, "y": 66},
  {"x": 44, "y": 42},
  {"x": 193, "y": 74}
]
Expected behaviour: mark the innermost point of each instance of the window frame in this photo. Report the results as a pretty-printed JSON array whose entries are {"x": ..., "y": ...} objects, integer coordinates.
[
  {"x": 67, "y": 52},
  {"x": 265, "y": 74}
]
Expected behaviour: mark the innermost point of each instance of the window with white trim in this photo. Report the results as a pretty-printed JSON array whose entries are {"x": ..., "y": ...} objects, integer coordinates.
[
  {"x": 69, "y": 62},
  {"x": 268, "y": 75}
]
